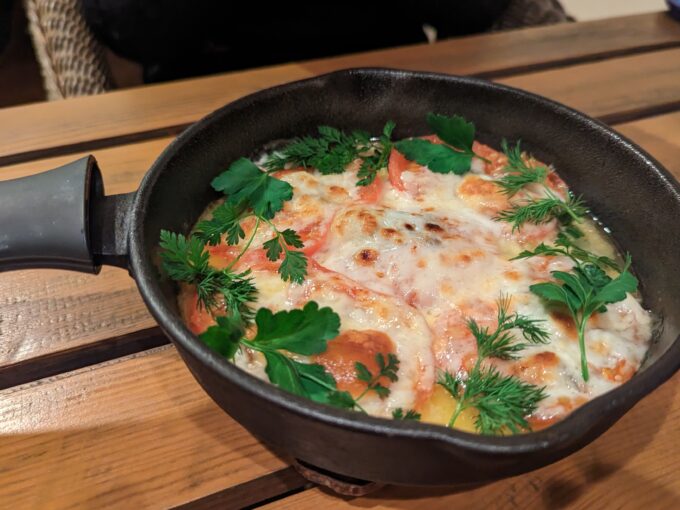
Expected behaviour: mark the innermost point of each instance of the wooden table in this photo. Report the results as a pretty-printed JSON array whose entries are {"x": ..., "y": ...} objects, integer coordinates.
[{"x": 97, "y": 410}]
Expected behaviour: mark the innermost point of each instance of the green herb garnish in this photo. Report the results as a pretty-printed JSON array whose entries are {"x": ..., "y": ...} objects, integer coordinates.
[
  {"x": 185, "y": 260},
  {"x": 303, "y": 331},
  {"x": 387, "y": 369},
  {"x": 584, "y": 291},
  {"x": 534, "y": 210},
  {"x": 518, "y": 173},
  {"x": 399, "y": 414},
  {"x": 333, "y": 150},
  {"x": 454, "y": 156},
  {"x": 501, "y": 401},
  {"x": 566, "y": 247},
  {"x": 254, "y": 193}
]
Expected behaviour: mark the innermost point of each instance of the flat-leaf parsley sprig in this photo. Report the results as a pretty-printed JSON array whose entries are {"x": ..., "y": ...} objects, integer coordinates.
[
  {"x": 304, "y": 331},
  {"x": 252, "y": 192},
  {"x": 453, "y": 156},
  {"x": 583, "y": 291},
  {"x": 502, "y": 402},
  {"x": 564, "y": 245},
  {"x": 539, "y": 210},
  {"x": 333, "y": 150}
]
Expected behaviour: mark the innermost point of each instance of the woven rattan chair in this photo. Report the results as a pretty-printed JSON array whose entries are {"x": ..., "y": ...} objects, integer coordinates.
[{"x": 73, "y": 62}]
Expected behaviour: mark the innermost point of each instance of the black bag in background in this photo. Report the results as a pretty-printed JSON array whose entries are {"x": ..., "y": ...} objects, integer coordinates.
[{"x": 194, "y": 37}]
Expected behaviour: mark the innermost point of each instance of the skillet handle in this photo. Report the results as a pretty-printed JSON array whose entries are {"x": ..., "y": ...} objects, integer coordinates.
[{"x": 61, "y": 219}]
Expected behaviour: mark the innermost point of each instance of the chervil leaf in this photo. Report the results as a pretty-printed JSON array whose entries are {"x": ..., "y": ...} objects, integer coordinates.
[
  {"x": 224, "y": 338},
  {"x": 455, "y": 131},
  {"x": 245, "y": 182},
  {"x": 437, "y": 157},
  {"x": 293, "y": 267},
  {"x": 304, "y": 331}
]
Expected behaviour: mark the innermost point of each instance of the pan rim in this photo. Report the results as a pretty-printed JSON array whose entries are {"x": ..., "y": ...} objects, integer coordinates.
[{"x": 564, "y": 434}]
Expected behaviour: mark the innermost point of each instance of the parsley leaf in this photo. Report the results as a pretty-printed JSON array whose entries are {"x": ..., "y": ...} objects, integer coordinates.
[
  {"x": 454, "y": 130},
  {"x": 501, "y": 401},
  {"x": 454, "y": 157},
  {"x": 304, "y": 331},
  {"x": 584, "y": 291},
  {"x": 225, "y": 220},
  {"x": 294, "y": 265},
  {"x": 565, "y": 246},
  {"x": 245, "y": 182},
  {"x": 438, "y": 158},
  {"x": 386, "y": 368},
  {"x": 224, "y": 338},
  {"x": 398, "y": 414}
]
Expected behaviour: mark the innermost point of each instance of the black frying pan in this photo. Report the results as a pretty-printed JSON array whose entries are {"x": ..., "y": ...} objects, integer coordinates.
[{"x": 61, "y": 219}]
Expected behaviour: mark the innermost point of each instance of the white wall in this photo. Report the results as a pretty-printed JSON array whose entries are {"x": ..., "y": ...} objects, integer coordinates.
[{"x": 594, "y": 9}]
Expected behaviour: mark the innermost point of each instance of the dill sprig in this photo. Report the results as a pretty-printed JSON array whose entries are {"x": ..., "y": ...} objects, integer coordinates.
[
  {"x": 332, "y": 150},
  {"x": 502, "y": 402},
  {"x": 542, "y": 210},
  {"x": 518, "y": 175},
  {"x": 186, "y": 260}
]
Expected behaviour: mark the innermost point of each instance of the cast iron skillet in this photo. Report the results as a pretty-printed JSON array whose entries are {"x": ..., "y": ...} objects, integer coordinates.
[{"x": 61, "y": 219}]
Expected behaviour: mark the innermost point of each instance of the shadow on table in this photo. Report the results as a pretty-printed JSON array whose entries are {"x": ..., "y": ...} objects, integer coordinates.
[{"x": 603, "y": 471}]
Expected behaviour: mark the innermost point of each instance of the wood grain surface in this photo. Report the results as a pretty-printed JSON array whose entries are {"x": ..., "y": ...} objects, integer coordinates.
[
  {"x": 632, "y": 466},
  {"x": 138, "y": 432},
  {"x": 615, "y": 90},
  {"x": 42, "y": 130},
  {"x": 89, "y": 309}
]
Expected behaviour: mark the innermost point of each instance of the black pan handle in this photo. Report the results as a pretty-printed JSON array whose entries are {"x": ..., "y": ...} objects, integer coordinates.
[{"x": 61, "y": 219}]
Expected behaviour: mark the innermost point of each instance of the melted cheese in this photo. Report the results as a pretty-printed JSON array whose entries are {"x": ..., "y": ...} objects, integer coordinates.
[{"x": 407, "y": 261}]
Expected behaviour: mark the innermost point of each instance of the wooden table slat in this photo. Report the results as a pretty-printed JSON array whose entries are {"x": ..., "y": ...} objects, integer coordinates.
[
  {"x": 135, "y": 433},
  {"x": 615, "y": 90},
  {"x": 76, "y": 311},
  {"x": 633, "y": 465},
  {"x": 42, "y": 130}
]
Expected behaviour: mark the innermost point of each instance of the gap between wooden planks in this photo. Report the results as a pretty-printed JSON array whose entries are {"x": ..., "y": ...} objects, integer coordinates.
[
  {"x": 43, "y": 130},
  {"x": 68, "y": 433},
  {"x": 133, "y": 433},
  {"x": 633, "y": 465},
  {"x": 138, "y": 432},
  {"x": 47, "y": 312}
]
